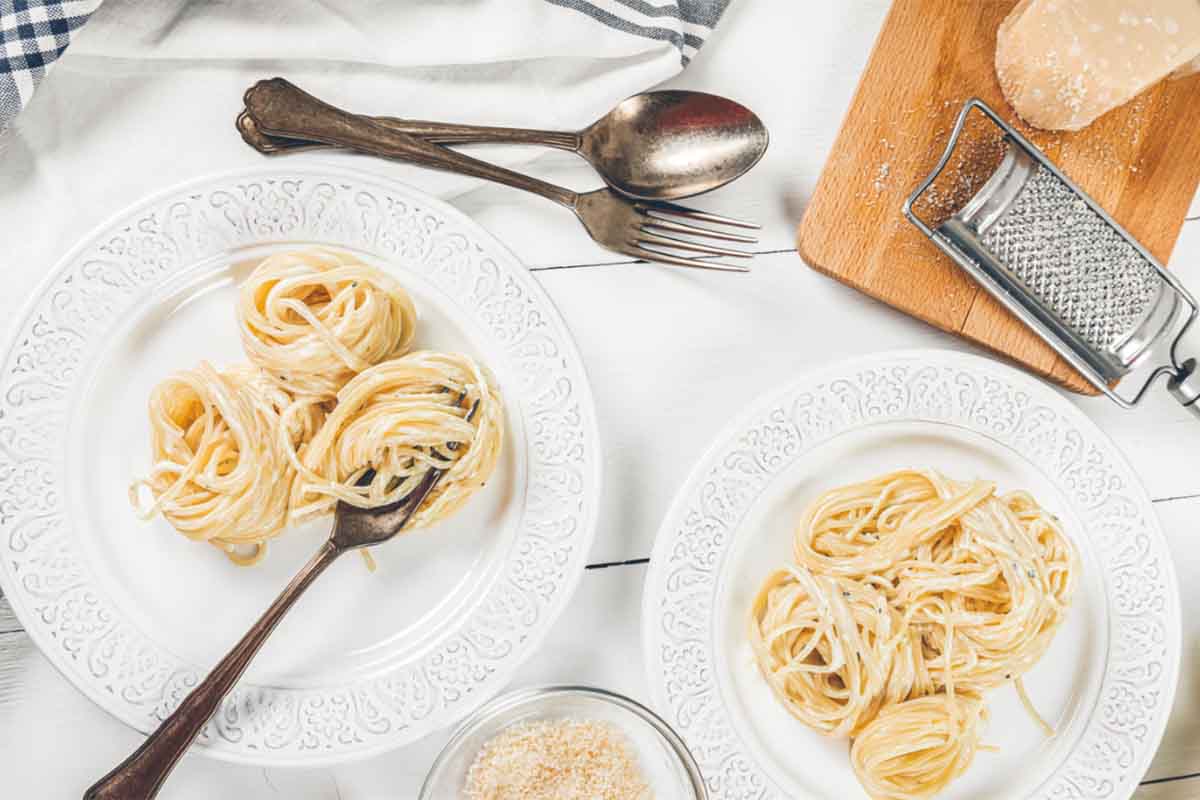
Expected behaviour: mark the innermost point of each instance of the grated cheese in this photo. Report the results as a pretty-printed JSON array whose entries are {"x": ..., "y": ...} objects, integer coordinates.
[{"x": 557, "y": 760}]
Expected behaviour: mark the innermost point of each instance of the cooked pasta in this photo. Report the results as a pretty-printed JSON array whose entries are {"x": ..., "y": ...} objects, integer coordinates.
[
  {"x": 829, "y": 652},
  {"x": 218, "y": 472},
  {"x": 313, "y": 319},
  {"x": 910, "y": 587},
  {"x": 915, "y": 748},
  {"x": 240, "y": 454},
  {"x": 305, "y": 417},
  {"x": 399, "y": 419}
]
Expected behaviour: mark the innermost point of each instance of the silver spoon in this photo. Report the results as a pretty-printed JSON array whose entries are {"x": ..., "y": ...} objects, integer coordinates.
[{"x": 653, "y": 146}]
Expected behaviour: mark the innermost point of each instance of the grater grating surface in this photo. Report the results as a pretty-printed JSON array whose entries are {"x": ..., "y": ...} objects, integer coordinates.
[
  {"x": 1073, "y": 261},
  {"x": 1058, "y": 261}
]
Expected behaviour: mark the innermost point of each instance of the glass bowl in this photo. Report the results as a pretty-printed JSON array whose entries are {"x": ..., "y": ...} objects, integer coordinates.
[{"x": 665, "y": 761}]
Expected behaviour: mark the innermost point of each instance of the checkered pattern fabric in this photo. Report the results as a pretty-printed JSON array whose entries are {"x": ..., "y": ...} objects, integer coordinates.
[{"x": 33, "y": 34}]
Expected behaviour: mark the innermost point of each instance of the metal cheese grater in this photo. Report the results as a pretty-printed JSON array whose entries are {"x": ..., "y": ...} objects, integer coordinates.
[{"x": 1064, "y": 267}]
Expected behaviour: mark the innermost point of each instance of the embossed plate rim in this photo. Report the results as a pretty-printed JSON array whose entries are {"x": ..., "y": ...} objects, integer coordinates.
[
  {"x": 1119, "y": 782},
  {"x": 566, "y": 364}
]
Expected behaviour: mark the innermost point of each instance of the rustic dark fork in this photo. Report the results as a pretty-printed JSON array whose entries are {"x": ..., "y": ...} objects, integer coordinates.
[{"x": 142, "y": 774}]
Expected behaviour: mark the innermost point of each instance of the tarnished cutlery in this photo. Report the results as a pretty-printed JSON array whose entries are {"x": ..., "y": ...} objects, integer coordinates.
[
  {"x": 650, "y": 230},
  {"x": 662, "y": 145},
  {"x": 142, "y": 774}
]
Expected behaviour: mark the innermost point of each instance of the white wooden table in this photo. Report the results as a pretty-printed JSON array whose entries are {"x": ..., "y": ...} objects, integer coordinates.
[{"x": 671, "y": 354}]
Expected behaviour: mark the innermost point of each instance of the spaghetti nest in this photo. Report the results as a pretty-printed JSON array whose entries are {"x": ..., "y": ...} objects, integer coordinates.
[
  {"x": 240, "y": 454},
  {"x": 917, "y": 747},
  {"x": 910, "y": 587},
  {"x": 219, "y": 474},
  {"x": 313, "y": 319},
  {"x": 398, "y": 420}
]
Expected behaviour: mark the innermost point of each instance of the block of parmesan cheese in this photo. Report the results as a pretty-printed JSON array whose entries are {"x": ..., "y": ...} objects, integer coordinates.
[{"x": 1063, "y": 63}]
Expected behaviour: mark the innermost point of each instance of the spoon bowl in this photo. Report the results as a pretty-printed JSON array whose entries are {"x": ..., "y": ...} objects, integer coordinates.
[{"x": 672, "y": 144}]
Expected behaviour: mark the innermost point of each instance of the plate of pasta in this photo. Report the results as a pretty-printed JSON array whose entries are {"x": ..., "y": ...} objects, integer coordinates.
[
  {"x": 919, "y": 574},
  {"x": 202, "y": 380}
]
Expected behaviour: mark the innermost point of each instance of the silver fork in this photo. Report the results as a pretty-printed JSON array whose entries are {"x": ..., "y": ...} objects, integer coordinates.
[
  {"x": 650, "y": 230},
  {"x": 142, "y": 774}
]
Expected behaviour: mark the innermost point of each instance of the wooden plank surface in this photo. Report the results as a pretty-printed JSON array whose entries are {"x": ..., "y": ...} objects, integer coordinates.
[
  {"x": 728, "y": 338},
  {"x": 8, "y": 620},
  {"x": 1173, "y": 789},
  {"x": 1141, "y": 162}
]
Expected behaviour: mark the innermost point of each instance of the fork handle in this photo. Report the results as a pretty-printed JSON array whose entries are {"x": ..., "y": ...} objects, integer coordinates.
[
  {"x": 433, "y": 132},
  {"x": 453, "y": 133},
  {"x": 140, "y": 776},
  {"x": 280, "y": 108}
]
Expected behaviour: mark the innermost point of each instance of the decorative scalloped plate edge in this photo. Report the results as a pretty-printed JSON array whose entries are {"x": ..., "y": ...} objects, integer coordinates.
[
  {"x": 1138, "y": 686},
  {"x": 119, "y": 264}
]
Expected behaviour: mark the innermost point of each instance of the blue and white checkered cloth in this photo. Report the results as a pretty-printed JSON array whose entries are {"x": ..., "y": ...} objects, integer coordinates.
[{"x": 33, "y": 34}]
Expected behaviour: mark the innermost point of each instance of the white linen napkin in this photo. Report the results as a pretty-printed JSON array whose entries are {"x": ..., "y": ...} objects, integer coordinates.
[
  {"x": 146, "y": 95},
  {"x": 432, "y": 34}
]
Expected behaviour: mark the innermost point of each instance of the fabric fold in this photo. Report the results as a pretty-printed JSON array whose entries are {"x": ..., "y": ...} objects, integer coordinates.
[{"x": 431, "y": 40}]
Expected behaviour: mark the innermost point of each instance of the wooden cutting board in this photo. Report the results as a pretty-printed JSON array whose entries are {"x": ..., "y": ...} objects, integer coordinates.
[{"x": 1140, "y": 162}]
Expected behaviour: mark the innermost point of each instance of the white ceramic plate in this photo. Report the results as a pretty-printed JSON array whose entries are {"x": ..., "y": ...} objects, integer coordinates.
[
  {"x": 1107, "y": 682},
  {"x": 134, "y": 614}
]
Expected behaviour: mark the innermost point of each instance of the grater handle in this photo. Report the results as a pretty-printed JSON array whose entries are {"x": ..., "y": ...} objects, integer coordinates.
[{"x": 1184, "y": 386}]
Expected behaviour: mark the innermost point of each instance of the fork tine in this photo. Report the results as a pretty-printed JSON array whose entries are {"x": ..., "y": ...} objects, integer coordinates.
[
  {"x": 695, "y": 230},
  {"x": 683, "y": 244},
  {"x": 677, "y": 210},
  {"x": 638, "y": 251}
]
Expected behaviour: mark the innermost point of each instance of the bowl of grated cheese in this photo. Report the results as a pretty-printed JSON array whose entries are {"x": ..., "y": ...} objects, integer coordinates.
[{"x": 564, "y": 743}]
